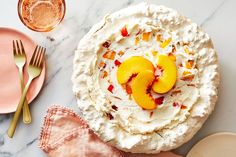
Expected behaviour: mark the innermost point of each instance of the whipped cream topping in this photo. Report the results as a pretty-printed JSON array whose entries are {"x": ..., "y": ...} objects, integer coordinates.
[{"x": 111, "y": 112}]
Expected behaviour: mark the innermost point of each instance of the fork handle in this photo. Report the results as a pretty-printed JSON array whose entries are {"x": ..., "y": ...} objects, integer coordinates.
[
  {"x": 26, "y": 112},
  {"x": 12, "y": 128}
]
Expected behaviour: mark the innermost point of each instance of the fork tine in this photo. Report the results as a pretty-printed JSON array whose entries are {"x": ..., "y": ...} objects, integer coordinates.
[
  {"x": 22, "y": 47},
  {"x": 14, "y": 48},
  {"x": 40, "y": 64},
  {"x": 33, "y": 56},
  {"x": 18, "y": 48},
  {"x": 37, "y": 56}
]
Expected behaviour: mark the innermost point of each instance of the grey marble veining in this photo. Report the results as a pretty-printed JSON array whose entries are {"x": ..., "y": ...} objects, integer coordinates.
[{"x": 215, "y": 16}]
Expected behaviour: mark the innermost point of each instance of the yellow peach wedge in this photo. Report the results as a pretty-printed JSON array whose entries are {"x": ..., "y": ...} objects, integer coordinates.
[
  {"x": 139, "y": 87},
  {"x": 132, "y": 66},
  {"x": 167, "y": 79},
  {"x": 166, "y": 43}
]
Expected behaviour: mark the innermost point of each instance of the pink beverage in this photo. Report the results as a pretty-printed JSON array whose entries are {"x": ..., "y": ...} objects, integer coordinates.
[{"x": 41, "y": 15}]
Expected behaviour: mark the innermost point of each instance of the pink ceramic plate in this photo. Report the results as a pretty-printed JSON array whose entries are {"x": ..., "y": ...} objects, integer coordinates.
[{"x": 10, "y": 90}]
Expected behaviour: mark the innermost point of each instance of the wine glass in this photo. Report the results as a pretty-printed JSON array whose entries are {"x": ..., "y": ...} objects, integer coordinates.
[{"x": 41, "y": 15}]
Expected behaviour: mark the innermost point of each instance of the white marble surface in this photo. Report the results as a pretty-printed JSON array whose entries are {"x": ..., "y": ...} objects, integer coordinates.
[{"x": 217, "y": 17}]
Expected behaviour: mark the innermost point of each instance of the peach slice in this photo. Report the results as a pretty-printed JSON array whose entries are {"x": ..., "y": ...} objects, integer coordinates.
[
  {"x": 139, "y": 86},
  {"x": 166, "y": 43},
  {"x": 137, "y": 40},
  {"x": 158, "y": 38},
  {"x": 189, "y": 64},
  {"x": 104, "y": 74},
  {"x": 131, "y": 67},
  {"x": 146, "y": 36},
  {"x": 167, "y": 80},
  {"x": 109, "y": 55},
  {"x": 154, "y": 53}
]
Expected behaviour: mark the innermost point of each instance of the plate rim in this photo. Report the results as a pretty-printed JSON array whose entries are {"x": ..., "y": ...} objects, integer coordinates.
[{"x": 209, "y": 136}]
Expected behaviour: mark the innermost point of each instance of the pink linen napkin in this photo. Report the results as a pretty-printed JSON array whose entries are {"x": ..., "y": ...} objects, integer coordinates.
[{"x": 65, "y": 134}]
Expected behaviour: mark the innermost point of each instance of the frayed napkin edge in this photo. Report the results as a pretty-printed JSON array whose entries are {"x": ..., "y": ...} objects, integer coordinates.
[{"x": 46, "y": 128}]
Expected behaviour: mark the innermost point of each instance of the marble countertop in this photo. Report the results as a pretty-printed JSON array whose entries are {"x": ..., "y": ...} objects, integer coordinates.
[{"x": 215, "y": 16}]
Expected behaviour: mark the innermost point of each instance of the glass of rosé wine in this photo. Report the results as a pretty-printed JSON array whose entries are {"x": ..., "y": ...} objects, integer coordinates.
[{"x": 41, "y": 15}]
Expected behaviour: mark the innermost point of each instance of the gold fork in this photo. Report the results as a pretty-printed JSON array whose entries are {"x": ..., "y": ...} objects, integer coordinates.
[
  {"x": 34, "y": 70},
  {"x": 20, "y": 60}
]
